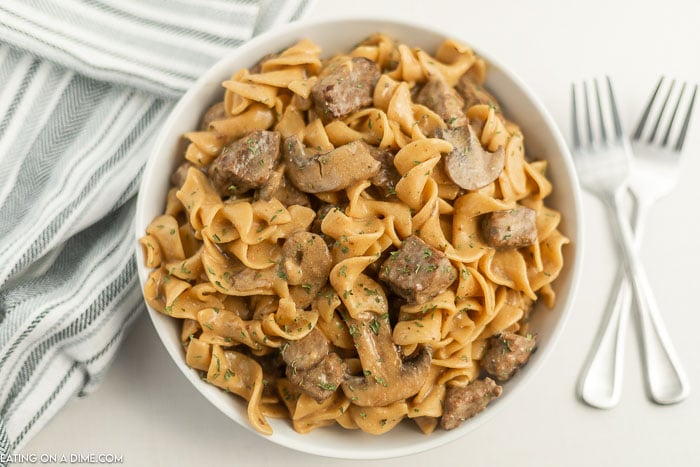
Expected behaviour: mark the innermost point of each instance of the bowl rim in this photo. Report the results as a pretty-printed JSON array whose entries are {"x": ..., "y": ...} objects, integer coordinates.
[{"x": 381, "y": 21}]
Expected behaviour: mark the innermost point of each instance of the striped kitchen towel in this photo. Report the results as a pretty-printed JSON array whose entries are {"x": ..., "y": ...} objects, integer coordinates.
[{"x": 84, "y": 87}]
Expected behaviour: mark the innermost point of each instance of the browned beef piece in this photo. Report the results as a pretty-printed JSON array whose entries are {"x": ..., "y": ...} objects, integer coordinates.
[
  {"x": 321, "y": 380},
  {"x": 513, "y": 228},
  {"x": 346, "y": 88},
  {"x": 442, "y": 99},
  {"x": 304, "y": 353},
  {"x": 215, "y": 112},
  {"x": 177, "y": 179},
  {"x": 472, "y": 93},
  {"x": 417, "y": 271},
  {"x": 463, "y": 403},
  {"x": 386, "y": 179},
  {"x": 246, "y": 163},
  {"x": 506, "y": 353}
]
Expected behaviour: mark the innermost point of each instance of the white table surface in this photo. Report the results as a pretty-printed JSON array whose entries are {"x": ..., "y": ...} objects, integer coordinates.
[{"x": 146, "y": 412}]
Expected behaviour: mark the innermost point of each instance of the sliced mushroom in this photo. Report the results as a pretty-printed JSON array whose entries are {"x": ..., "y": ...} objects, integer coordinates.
[
  {"x": 442, "y": 99},
  {"x": 469, "y": 165},
  {"x": 231, "y": 277},
  {"x": 386, "y": 179},
  {"x": 215, "y": 112},
  {"x": 278, "y": 187},
  {"x": 387, "y": 376},
  {"x": 177, "y": 179},
  {"x": 331, "y": 171},
  {"x": 473, "y": 93},
  {"x": 306, "y": 262}
]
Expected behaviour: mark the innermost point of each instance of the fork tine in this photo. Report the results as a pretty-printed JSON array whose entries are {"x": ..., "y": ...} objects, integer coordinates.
[
  {"x": 686, "y": 122},
  {"x": 613, "y": 108},
  {"x": 661, "y": 112},
  {"x": 647, "y": 111},
  {"x": 603, "y": 133},
  {"x": 673, "y": 117},
  {"x": 587, "y": 108},
  {"x": 574, "y": 117}
]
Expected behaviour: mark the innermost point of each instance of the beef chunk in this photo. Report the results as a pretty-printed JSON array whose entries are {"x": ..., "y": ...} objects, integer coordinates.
[
  {"x": 346, "y": 88},
  {"x": 513, "y": 228},
  {"x": 215, "y": 112},
  {"x": 321, "y": 380},
  {"x": 306, "y": 352},
  {"x": 507, "y": 352},
  {"x": 386, "y": 179},
  {"x": 417, "y": 271},
  {"x": 472, "y": 93},
  {"x": 463, "y": 403},
  {"x": 442, "y": 99},
  {"x": 246, "y": 163}
]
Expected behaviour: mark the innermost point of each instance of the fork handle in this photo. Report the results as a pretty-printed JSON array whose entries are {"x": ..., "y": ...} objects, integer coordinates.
[
  {"x": 601, "y": 381},
  {"x": 667, "y": 381}
]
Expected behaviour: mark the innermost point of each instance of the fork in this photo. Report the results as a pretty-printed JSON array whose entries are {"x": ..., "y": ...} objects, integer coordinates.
[
  {"x": 603, "y": 165},
  {"x": 654, "y": 174}
]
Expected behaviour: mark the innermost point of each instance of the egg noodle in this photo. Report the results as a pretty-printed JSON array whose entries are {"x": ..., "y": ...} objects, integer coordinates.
[{"x": 218, "y": 259}]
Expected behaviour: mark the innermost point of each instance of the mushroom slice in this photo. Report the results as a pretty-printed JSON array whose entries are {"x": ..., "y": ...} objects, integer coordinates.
[
  {"x": 473, "y": 93},
  {"x": 215, "y": 112},
  {"x": 469, "y": 165},
  {"x": 442, "y": 99},
  {"x": 331, "y": 171},
  {"x": 387, "y": 376},
  {"x": 306, "y": 263}
]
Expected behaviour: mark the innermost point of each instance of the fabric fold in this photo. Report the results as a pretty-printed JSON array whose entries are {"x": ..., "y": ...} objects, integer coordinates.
[{"x": 86, "y": 86}]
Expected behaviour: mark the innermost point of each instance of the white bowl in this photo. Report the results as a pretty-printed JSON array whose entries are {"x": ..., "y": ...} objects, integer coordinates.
[{"x": 541, "y": 136}]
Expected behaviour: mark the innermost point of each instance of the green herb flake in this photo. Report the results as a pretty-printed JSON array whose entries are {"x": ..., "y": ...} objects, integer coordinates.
[
  {"x": 327, "y": 386},
  {"x": 374, "y": 325}
]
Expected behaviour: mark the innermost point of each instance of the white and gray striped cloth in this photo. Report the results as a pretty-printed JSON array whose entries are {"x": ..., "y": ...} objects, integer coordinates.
[{"x": 84, "y": 87}]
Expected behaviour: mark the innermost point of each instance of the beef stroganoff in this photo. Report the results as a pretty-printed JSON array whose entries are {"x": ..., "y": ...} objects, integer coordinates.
[{"x": 357, "y": 240}]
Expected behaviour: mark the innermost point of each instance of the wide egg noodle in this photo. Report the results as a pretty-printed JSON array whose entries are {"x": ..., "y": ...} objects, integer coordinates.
[{"x": 216, "y": 257}]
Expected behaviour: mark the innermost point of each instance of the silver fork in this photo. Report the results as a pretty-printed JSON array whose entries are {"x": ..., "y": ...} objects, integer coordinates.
[{"x": 654, "y": 174}]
